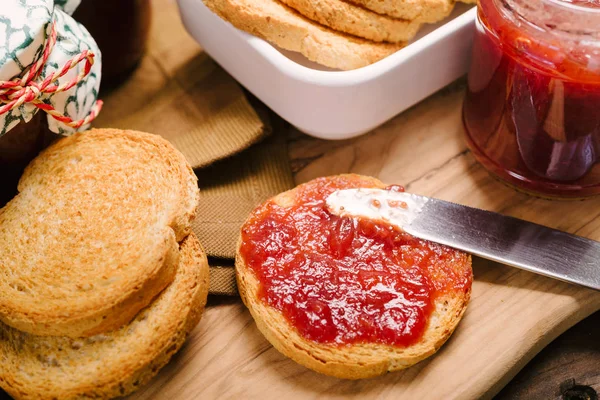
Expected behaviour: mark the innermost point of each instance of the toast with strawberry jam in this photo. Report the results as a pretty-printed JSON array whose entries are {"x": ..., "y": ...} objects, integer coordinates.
[{"x": 347, "y": 297}]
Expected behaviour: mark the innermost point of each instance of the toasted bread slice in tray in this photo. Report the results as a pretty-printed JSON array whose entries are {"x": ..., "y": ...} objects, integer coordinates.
[
  {"x": 355, "y": 20},
  {"x": 112, "y": 364},
  {"x": 349, "y": 360},
  {"x": 92, "y": 237},
  {"x": 422, "y": 11},
  {"x": 286, "y": 28}
]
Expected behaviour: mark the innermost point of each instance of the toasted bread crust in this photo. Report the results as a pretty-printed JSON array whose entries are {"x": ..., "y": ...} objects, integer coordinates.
[
  {"x": 358, "y": 360},
  {"x": 421, "y": 11},
  {"x": 284, "y": 27},
  {"x": 349, "y": 18},
  {"x": 94, "y": 254},
  {"x": 114, "y": 364}
]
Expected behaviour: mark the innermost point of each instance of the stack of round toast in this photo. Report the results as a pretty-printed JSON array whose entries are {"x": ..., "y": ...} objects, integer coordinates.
[
  {"x": 340, "y": 34},
  {"x": 101, "y": 277}
]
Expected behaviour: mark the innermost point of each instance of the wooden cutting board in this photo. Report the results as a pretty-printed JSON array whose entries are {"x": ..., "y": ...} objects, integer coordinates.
[{"x": 512, "y": 315}]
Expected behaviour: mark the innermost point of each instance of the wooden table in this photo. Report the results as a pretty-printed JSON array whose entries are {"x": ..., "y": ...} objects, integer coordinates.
[{"x": 432, "y": 130}]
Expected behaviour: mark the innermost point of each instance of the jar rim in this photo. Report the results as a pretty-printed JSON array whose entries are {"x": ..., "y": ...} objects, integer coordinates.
[
  {"x": 575, "y": 7},
  {"x": 547, "y": 38},
  {"x": 554, "y": 16}
]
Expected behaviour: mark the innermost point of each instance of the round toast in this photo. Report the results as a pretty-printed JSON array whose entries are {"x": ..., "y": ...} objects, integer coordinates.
[
  {"x": 92, "y": 236},
  {"x": 358, "y": 21},
  {"x": 349, "y": 361},
  {"x": 286, "y": 28},
  {"x": 114, "y": 364}
]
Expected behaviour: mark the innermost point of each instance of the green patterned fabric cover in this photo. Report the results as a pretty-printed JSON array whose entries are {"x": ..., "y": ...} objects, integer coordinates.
[{"x": 24, "y": 27}]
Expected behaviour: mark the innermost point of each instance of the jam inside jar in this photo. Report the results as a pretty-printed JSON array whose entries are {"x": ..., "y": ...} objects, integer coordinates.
[{"x": 532, "y": 110}]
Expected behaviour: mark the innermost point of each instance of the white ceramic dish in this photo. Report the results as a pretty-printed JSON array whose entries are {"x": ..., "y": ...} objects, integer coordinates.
[{"x": 336, "y": 104}]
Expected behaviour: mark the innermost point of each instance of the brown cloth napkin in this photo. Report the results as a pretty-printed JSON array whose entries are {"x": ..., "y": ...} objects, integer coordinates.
[
  {"x": 233, "y": 178},
  {"x": 229, "y": 190}
]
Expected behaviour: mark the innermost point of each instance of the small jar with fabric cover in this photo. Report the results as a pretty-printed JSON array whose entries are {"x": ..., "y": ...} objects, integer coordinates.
[{"x": 50, "y": 68}]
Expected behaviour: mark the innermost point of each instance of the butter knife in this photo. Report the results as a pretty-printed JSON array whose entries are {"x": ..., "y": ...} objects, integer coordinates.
[{"x": 486, "y": 234}]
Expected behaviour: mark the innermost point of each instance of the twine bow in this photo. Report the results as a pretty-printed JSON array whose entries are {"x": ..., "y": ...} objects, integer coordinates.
[{"x": 26, "y": 89}]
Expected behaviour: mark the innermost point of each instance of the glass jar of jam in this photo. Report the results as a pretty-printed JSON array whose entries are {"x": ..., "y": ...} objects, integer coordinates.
[
  {"x": 532, "y": 110},
  {"x": 121, "y": 29}
]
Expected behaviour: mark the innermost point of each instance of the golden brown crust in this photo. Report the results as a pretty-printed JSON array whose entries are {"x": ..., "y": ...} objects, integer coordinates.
[
  {"x": 349, "y": 18},
  {"x": 113, "y": 364},
  {"x": 359, "y": 360},
  {"x": 421, "y": 11},
  {"x": 284, "y": 27},
  {"x": 92, "y": 236}
]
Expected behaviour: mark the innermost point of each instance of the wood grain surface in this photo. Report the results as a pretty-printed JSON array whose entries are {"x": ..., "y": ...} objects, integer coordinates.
[
  {"x": 512, "y": 316},
  {"x": 566, "y": 369}
]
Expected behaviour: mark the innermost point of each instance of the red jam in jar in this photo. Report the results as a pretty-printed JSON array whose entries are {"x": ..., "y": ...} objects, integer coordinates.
[
  {"x": 342, "y": 280},
  {"x": 532, "y": 110}
]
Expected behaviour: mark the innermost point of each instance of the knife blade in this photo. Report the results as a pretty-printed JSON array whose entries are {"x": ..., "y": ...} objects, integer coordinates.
[{"x": 486, "y": 234}]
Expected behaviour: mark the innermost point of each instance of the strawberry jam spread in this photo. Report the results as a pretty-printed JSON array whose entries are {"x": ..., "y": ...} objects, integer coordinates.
[{"x": 341, "y": 280}]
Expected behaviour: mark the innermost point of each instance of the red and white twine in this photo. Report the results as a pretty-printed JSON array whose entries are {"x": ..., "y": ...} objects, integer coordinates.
[{"x": 26, "y": 89}]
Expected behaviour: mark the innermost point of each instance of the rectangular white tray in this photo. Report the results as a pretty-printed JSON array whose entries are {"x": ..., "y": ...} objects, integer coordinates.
[{"x": 336, "y": 104}]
